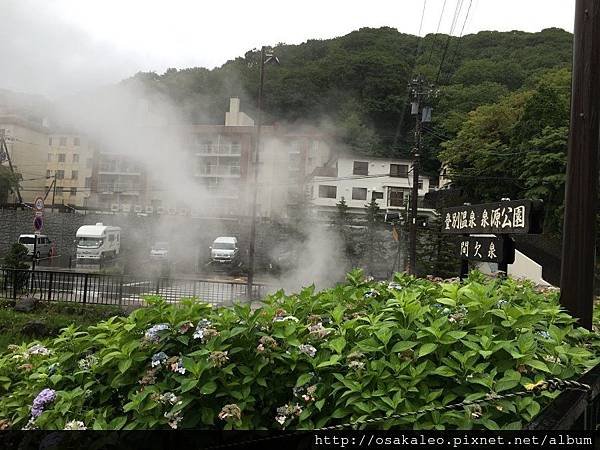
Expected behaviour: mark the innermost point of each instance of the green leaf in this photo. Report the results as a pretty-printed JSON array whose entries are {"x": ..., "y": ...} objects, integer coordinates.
[
  {"x": 117, "y": 423},
  {"x": 124, "y": 364},
  {"x": 403, "y": 346},
  {"x": 338, "y": 344},
  {"x": 209, "y": 388},
  {"x": 444, "y": 371},
  {"x": 338, "y": 313},
  {"x": 446, "y": 301},
  {"x": 303, "y": 379},
  {"x": 537, "y": 364},
  {"x": 188, "y": 384},
  {"x": 319, "y": 404},
  {"x": 331, "y": 362},
  {"x": 426, "y": 349}
]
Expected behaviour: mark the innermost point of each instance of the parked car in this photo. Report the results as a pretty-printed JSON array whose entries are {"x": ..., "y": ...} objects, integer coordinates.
[
  {"x": 160, "y": 251},
  {"x": 43, "y": 247},
  {"x": 98, "y": 241},
  {"x": 224, "y": 250}
]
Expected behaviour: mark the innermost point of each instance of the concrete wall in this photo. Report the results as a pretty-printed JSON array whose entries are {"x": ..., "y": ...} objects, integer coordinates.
[{"x": 190, "y": 238}]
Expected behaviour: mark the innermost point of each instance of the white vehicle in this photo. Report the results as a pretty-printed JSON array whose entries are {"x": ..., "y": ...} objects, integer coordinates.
[
  {"x": 160, "y": 250},
  {"x": 224, "y": 250},
  {"x": 43, "y": 247},
  {"x": 98, "y": 241}
]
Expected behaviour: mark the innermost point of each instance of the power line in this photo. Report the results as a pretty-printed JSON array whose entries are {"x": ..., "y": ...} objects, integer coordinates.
[
  {"x": 412, "y": 70},
  {"x": 457, "y": 10},
  {"x": 434, "y": 40},
  {"x": 456, "y": 50}
]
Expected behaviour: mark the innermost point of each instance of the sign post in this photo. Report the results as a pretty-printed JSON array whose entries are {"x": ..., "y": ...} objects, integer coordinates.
[
  {"x": 486, "y": 230},
  {"x": 38, "y": 226}
]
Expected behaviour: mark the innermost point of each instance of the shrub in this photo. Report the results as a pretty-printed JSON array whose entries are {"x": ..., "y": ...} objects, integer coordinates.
[{"x": 360, "y": 350}]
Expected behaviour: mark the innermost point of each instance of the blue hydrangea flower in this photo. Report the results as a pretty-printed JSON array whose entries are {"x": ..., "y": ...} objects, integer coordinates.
[
  {"x": 43, "y": 398},
  {"x": 152, "y": 332},
  {"x": 159, "y": 358},
  {"x": 308, "y": 350}
]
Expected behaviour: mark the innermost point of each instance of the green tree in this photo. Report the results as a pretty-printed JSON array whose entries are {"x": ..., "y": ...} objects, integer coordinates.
[{"x": 16, "y": 258}]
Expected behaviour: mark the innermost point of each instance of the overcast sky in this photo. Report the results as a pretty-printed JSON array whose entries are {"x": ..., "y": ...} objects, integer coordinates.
[{"x": 57, "y": 47}]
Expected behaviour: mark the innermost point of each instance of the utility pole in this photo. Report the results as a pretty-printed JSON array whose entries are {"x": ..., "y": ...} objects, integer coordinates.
[
  {"x": 579, "y": 231},
  {"x": 5, "y": 149},
  {"x": 420, "y": 93},
  {"x": 255, "y": 160},
  {"x": 266, "y": 56}
]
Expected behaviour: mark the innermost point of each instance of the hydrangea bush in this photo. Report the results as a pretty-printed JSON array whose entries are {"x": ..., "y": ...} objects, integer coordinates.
[{"x": 360, "y": 350}]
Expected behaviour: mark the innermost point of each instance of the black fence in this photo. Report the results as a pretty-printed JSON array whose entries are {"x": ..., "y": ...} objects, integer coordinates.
[
  {"x": 120, "y": 290},
  {"x": 573, "y": 409}
]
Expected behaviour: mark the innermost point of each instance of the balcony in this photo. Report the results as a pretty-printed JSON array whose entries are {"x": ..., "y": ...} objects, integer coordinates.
[
  {"x": 218, "y": 171},
  {"x": 224, "y": 193},
  {"x": 218, "y": 150},
  {"x": 118, "y": 188},
  {"x": 117, "y": 169}
]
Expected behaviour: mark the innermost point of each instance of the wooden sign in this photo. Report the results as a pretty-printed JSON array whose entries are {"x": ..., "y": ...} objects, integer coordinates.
[
  {"x": 506, "y": 217},
  {"x": 486, "y": 249}
]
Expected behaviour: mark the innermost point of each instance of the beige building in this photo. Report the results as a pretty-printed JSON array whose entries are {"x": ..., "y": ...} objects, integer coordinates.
[
  {"x": 70, "y": 160},
  {"x": 27, "y": 144}
]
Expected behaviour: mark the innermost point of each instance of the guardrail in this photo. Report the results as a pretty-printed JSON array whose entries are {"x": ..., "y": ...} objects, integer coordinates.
[
  {"x": 572, "y": 410},
  {"x": 120, "y": 290}
]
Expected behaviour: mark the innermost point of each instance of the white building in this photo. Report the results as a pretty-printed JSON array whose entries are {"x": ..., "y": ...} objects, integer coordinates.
[{"x": 359, "y": 179}]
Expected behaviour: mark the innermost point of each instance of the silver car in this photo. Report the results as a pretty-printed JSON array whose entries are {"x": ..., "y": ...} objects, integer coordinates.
[{"x": 43, "y": 247}]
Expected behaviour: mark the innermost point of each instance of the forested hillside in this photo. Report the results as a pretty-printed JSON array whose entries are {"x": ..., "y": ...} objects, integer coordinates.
[{"x": 356, "y": 84}]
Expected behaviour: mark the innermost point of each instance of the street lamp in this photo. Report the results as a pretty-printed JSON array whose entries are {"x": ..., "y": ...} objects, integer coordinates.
[{"x": 266, "y": 56}]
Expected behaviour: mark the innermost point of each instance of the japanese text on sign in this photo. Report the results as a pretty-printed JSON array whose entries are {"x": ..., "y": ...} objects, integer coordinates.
[
  {"x": 521, "y": 216},
  {"x": 486, "y": 249}
]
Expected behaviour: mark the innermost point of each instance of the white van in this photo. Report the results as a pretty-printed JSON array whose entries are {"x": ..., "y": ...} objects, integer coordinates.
[
  {"x": 224, "y": 250},
  {"x": 43, "y": 247},
  {"x": 98, "y": 241}
]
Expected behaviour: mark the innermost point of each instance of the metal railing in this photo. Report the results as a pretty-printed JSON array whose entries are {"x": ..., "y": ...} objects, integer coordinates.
[
  {"x": 219, "y": 171},
  {"x": 119, "y": 290},
  {"x": 573, "y": 409},
  {"x": 223, "y": 149}
]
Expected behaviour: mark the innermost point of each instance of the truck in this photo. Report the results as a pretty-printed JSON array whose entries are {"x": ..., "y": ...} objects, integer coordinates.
[{"x": 98, "y": 242}]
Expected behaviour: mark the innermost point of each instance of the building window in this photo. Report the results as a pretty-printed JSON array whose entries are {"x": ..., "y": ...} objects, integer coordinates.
[
  {"x": 48, "y": 173},
  {"x": 59, "y": 190},
  {"x": 49, "y": 141},
  {"x": 62, "y": 141},
  {"x": 359, "y": 193},
  {"x": 398, "y": 197},
  {"x": 88, "y": 182},
  {"x": 420, "y": 184},
  {"x": 49, "y": 157},
  {"x": 61, "y": 157},
  {"x": 88, "y": 163},
  {"x": 75, "y": 158},
  {"x": 60, "y": 174},
  {"x": 73, "y": 191},
  {"x": 399, "y": 170},
  {"x": 74, "y": 174},
  {"x": 361, "y": 168},
  {"x": 76, "y": 142},
  {"x": 377, "y": 195},
  {"x": 327, "y": 191}
]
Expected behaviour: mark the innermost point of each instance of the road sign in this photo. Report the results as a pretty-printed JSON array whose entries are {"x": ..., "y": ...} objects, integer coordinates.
[
  {"x": 39, "y": 204},
  {"x": 38, "y": 223},
  {"x": 486, "y": 249},
  {"x": 507, "y": 217}
]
